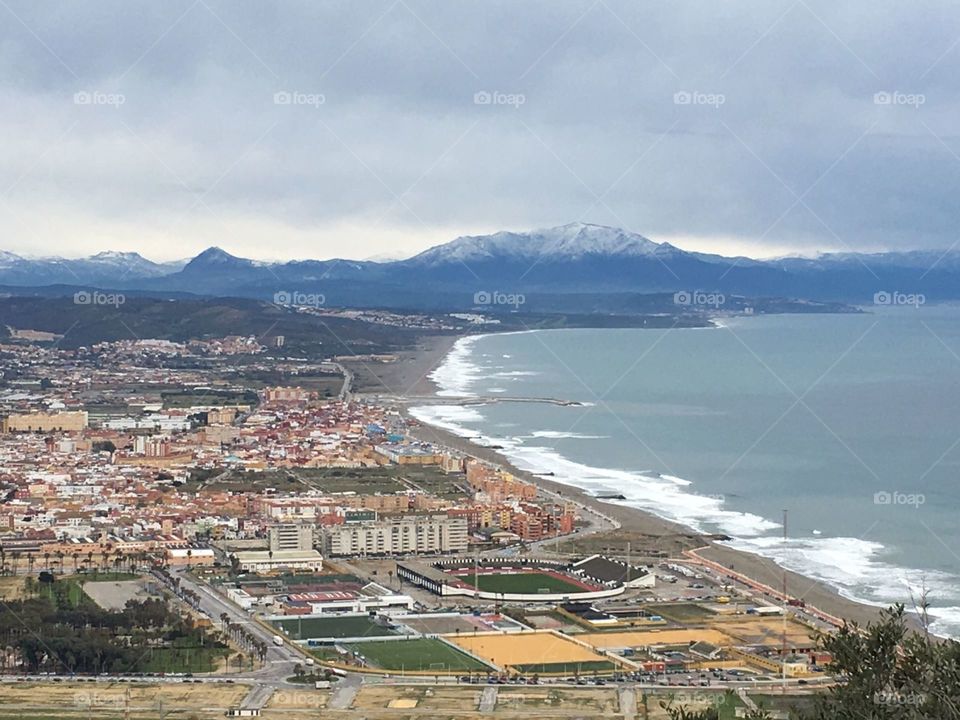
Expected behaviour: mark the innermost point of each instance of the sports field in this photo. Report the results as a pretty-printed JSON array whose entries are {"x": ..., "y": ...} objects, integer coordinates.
[
  {"x": 527, "y": 649},
  {"x": 526, "y": 583},
  {"x": 416, "y": 654},
  {"x": 333, "y": 627}
]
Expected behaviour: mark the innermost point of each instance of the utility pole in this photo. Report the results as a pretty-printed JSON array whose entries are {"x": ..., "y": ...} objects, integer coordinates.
[{"x": 783, "y": 634}]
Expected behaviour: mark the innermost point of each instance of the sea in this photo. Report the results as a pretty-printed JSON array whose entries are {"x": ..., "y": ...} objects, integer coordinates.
[{"x": 849, "y": 422}]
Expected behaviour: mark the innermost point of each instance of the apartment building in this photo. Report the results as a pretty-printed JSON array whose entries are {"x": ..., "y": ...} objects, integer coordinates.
[
  {"x": 398, "y": 535},
  {"x": 290, "y": 536}
]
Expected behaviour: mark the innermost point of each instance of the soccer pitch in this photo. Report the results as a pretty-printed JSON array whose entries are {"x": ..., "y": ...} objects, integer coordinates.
[
  {"x": 525, "y": 583},
  {"x": 416, "y": 654},
  {"x": 332, "y": 627}
]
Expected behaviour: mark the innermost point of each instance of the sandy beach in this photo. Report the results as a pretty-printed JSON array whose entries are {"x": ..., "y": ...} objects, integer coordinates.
[{"x": 412, "y": 371}]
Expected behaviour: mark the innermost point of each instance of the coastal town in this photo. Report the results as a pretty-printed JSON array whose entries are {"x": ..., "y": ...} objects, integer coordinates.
[{"x": 303, "y": 535}]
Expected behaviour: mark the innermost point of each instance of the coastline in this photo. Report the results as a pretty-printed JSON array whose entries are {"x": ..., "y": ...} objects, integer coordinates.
[{"x": 673, "y": 537}]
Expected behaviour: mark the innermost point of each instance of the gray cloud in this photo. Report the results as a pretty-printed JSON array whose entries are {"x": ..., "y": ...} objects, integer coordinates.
[{"x": 726, "y": 125}]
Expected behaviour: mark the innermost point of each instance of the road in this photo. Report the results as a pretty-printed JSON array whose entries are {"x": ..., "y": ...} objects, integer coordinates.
[
  {"x": 346, "y": 392},
  {"x": 280, "y": 659}
]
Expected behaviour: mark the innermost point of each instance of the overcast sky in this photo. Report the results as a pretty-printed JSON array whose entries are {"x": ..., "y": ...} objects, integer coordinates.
[{"x": 357, "y": 129}]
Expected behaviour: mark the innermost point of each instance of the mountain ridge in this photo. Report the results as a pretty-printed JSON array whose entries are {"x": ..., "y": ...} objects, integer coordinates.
[{"x": 570, "y": 259}]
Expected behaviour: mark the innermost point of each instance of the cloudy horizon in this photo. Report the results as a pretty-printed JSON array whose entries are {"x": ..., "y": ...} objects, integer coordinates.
[{"x": 383, "y": 128}]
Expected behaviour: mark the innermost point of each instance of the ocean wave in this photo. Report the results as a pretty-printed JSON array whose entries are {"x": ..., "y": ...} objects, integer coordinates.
[
  {"x": 856, "y": 569},
  {"x": 458, "y": 372},
  {"x": 448, "y": 417},
  {"x": 557, "y": 435}
]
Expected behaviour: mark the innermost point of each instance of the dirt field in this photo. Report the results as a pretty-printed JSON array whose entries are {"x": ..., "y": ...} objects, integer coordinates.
[
  {"x": 593, "y": 702},
  {"x": 113, "y": 595},
  {"x": 460, "y": 699},
  {"x": 114, "y": 699},
  {"x": 11, "y": 588},
  {"x": 768, "y": 631},
  {"x": 643, "y": 638},
  {"x": 525, "y": 649}
]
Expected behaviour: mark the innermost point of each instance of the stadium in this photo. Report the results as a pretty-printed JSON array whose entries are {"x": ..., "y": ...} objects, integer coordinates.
[{"x": 525, "y": 579}]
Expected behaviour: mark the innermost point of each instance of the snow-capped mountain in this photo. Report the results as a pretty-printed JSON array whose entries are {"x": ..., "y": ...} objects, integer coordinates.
[
  {"x": 567, "y": 242},
  {"x": 102, "y": 268},
  {"x": 592, "y": 262}
]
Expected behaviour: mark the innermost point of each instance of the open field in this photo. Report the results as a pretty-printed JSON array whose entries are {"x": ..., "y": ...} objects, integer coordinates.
[
  {"x": 332, "y": 627},
  {"x": 768, "y": 631},
  {"x": 113, "y": 700},
  {"x": 522, "y": 583},
  {"x": 11, "y": 588},
  {"x": 114, "y": 595},
  {"x": 644, "y": 638},
  {"x": 527, "y": 649},
  {"x": 102, "y": 701},
  {"x": 594, "y": 703},
  {"x": 450, "y": 701},
  {"x": 417, "y": 654}
]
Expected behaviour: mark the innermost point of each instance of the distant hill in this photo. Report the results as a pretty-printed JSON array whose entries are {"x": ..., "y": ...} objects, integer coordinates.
[
  {"x": 82, "y": 325},
  {"x": 555, "y": 265}
]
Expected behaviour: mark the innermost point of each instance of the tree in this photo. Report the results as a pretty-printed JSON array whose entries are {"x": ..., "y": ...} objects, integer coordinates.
[{"x": 887, "y": 671}]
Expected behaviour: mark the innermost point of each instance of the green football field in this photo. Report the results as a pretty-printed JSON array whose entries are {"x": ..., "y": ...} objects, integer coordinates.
[
  {"x": 331, "y": 627},
  {"x": 525, "y": 583},
  {"x": 416, "y": 654}
]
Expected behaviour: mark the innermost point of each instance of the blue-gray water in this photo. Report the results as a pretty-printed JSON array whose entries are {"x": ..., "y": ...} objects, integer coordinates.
[{"x": 829, "y": 416}]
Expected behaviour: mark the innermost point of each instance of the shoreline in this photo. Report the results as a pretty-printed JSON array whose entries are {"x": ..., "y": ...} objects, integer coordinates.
[{"x": 431, "y": 351}]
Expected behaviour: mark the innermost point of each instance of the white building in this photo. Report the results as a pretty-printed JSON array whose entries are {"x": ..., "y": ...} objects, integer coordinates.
[{"x": 398, "y": 535}]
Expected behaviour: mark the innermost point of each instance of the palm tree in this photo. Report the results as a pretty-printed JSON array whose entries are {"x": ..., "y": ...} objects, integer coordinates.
[{"x": 76, "y": 556}]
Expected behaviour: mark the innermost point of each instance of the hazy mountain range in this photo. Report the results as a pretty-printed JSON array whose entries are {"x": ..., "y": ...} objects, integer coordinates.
[{"x": 596, "y": 264}]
